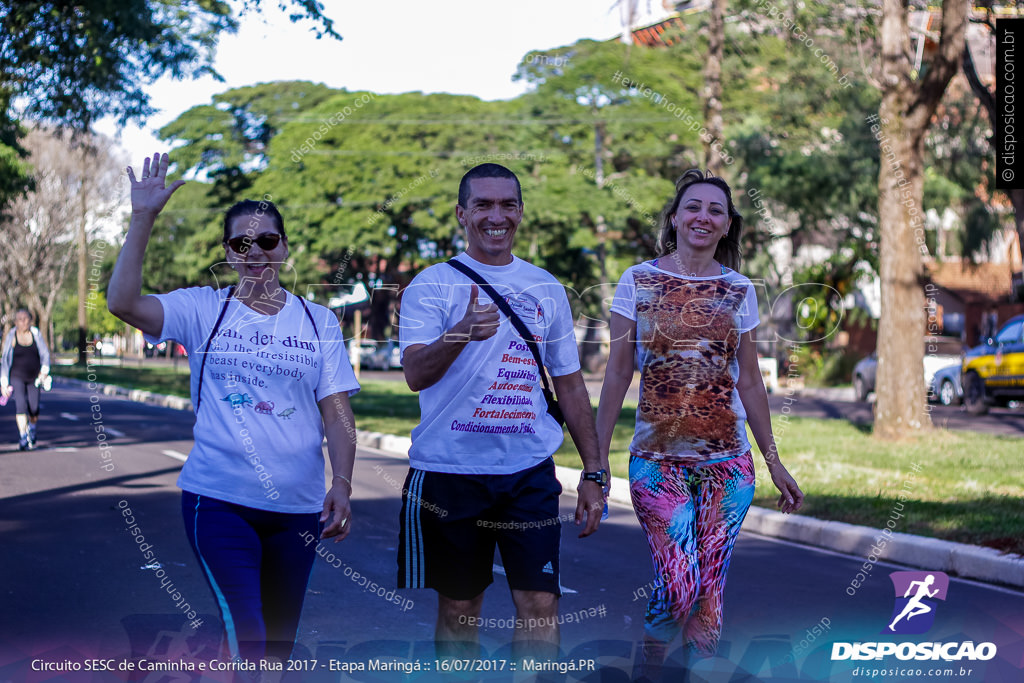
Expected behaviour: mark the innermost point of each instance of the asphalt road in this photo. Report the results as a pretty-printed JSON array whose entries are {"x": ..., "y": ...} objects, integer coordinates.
[{"x": 75, "y": 586}]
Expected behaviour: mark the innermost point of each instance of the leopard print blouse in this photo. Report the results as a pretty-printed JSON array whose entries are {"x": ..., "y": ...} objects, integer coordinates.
[{"x": 688, "y": 332}]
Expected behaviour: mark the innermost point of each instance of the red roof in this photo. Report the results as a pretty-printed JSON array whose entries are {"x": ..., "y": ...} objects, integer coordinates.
[
  {"x": 972, "y": 282},
  {"x": 663, "y": 33}
]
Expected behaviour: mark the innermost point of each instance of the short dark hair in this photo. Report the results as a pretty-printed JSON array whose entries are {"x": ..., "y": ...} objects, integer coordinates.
[
  {"x": 728, "y": 251},
  {"x": 486, "y": 171},
  {"x": 252, "y": 207}
]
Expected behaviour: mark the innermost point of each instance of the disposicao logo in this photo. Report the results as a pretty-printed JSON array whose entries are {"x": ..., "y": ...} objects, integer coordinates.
[{"x": 916, "y": 598}]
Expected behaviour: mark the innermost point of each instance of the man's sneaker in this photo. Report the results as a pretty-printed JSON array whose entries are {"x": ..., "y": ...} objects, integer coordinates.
[{"x": 23, "y": 443}]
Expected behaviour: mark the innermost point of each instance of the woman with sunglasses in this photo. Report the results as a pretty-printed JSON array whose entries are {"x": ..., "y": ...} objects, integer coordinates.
[{"x": 270, "y": 379}]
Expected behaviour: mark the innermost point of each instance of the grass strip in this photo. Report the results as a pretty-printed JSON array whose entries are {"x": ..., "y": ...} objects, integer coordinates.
[{"x": 161, "y": 379}]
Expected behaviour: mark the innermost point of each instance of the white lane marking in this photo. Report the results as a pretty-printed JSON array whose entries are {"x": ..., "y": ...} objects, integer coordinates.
[
  {"x": 66, "y": 449},
  {"x": 109, "y": 430},
  {"x": 176, "y": 455}
]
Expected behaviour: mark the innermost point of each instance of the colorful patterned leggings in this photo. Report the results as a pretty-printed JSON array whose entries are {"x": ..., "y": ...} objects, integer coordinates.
[{"x": 692, "y": 515}]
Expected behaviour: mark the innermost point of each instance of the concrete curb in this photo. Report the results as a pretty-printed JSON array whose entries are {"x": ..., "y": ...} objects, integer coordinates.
[
  {"x": 957, "y": 559},
  {"x": 136, "y": 395}
]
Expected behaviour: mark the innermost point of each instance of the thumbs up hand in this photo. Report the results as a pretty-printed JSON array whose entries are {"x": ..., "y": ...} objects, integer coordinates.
[{"x": 478, "y": 323}]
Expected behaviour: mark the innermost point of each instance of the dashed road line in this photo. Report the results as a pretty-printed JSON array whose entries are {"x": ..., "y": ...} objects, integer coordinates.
[{"x": 176, "y": 455}]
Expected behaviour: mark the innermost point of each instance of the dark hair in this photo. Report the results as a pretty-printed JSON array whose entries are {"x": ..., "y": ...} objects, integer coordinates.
[
  {"x": 486, "y": 171},
  {"x": 251, "y": 207},
  {"x": 22, "y": 309},
  {"x": 728, "y": 251}
]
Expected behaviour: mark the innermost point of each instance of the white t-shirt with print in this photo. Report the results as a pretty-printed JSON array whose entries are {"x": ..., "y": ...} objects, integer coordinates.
[
  {"x": 258, "y": 431},
  {"x": 487, "y": 414}
]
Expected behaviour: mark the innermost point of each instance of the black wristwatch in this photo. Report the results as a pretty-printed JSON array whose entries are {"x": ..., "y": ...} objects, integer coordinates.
[{"x": 600, "y": 476}]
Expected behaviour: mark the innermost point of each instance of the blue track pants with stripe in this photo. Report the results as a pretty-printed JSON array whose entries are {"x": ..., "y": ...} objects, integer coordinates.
[{"x": 257, "y": 563}]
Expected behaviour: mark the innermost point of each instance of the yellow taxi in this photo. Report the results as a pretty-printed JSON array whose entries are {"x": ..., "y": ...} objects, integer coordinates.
[{"x": 993, "y": 372}]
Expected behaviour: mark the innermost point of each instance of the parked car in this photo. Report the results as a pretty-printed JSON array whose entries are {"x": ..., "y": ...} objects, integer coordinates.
[
  {"x": 384, "y": 357},
  {"x": 946, "y": 387},
  {"x": 394, "y": 354},
  {"x": 769, "y": 373},
  {"x": 939, "y": 352},
  {"x": 360, "y": 355},
  {"x": 105, "y": 347},
  {"x": 993, "y": 372}
]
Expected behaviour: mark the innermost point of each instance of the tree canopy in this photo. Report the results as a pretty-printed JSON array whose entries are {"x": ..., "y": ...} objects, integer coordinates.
[
  {"x": 70, "y": 64},
  {"x": 367, "y": 181},
  {"x": 74, "y": 63}
]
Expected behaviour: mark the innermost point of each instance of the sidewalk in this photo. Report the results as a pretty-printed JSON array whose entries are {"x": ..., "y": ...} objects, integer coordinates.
[{"x": 957, "y": 559}]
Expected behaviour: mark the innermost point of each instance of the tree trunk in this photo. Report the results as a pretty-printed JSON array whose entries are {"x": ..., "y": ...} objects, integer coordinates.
[
  {"x": 593, "y": 352},
  {"x": 988, "y": 102},
  {"x": 602, "y": 228},
  {"x": 712, "y": 94},
  {"x": 1017, "y": 199},
  {"x": 900, "y": 392},
  {"x": 83, "y": 287},
  {"x": 904, "y": 116},
  {"x": 627, "y": 17}
]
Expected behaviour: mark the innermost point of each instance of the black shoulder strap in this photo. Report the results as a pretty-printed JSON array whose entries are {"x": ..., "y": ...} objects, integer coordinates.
[
  {"x": 206, "y": 351},
  {"x": 213, "y": 333},
  {"x": 309, "y": 315},
  {"x": 500, "y": 302}
]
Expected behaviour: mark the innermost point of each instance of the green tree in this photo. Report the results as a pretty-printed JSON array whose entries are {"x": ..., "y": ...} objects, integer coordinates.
[
  {"x": 74, "y": 63},
  {"x": 99, "y": 319},
  {"x": 369, "y": 183},
  {"x": 15, "y": 176},
  {"x": 960, "y": 174},
  {"x": 223, "y": 151},
  {"x": 621, "y": 118},
  {"x": 810, "y": 159}
]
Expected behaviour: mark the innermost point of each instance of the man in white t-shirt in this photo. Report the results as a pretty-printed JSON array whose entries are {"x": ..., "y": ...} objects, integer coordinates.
[{"x": 481, "y": 473}]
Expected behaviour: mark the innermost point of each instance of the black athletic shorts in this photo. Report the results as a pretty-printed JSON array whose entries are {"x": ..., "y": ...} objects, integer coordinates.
[{"x": 451, "y": 523}]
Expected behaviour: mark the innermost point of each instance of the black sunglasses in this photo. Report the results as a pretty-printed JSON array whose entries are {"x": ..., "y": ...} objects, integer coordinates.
[{"x": 266, "y": 242}]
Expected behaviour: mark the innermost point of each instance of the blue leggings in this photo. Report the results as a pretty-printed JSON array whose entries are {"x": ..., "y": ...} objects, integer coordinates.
[{"x": 257, "y": 563}]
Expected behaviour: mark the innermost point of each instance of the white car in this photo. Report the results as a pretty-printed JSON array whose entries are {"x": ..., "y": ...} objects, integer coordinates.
[
  {"x": 360, "y": 354},
  {"x": 939, "y": 352}
]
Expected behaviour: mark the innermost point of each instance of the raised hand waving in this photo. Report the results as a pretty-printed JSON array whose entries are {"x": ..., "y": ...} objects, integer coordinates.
[{"x": 150, "y": 193}]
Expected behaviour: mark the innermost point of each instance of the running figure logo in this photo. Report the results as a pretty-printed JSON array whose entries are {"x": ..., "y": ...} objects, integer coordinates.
[{"x": 916, "y": 593}]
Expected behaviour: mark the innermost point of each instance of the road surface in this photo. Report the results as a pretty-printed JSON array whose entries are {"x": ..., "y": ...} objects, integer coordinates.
[{"x": 75, "y": 585}]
